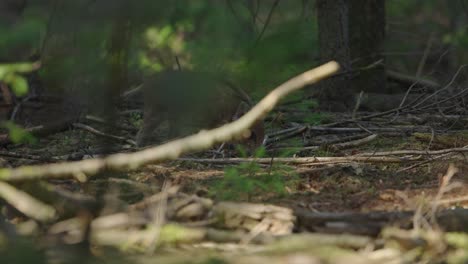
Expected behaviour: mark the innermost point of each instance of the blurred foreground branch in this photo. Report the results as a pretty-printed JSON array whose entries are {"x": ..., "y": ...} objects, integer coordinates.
[{"x": 172, "y": 150}]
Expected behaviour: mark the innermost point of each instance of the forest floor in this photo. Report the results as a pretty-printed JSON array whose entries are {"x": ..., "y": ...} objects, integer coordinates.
[{"x": 413, "y": 182}]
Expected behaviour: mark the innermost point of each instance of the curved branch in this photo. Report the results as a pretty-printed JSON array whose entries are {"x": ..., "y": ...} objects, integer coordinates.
[{"x": 173, "y": 149}]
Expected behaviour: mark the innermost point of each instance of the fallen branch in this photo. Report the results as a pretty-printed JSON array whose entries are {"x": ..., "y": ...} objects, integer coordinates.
[
  {"x": 134, "y": 238},
  {"x": 326, "y": 128},
  {"x": 291, "y": 133},
  {"x": 26, "y": 204},
  {"x": 310, "y": 161},
  {"x": 339, "y": 140},
  {"x": 102, "y": 134},
  {"x": 173, "y": 149},
  {"x": 355, "y": 143},
  {"x": 410, "y": 80},
  {"x": 102, "y": 121},
  {"x": 42, "y": 130},
  {"x": 371, "y": 223},
  {"x": 357, "y": 140},
  {"x": 119, "y": 238},
  {"x": 414, "y": 152},
  {"x": 15, "y": 155}
]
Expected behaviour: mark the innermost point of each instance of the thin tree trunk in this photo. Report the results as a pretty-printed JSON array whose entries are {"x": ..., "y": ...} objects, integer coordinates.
[{"x": 352, "y": 33}]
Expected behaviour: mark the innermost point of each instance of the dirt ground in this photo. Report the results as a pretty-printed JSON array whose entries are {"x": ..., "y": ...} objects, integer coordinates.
[
  {"x": 410, "y": 182},
  {"x": 357, "y": 187}
]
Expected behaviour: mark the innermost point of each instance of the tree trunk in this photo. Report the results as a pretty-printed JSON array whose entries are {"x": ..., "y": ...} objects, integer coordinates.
[
  {"x": 352, "y": 33},
  {"x": 10, "y": 11}
]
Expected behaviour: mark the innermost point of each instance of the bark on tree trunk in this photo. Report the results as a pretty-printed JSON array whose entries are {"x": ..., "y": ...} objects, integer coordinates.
[
  {"x": 352, "y": 33},
  {"x": 10, "y": 11}
]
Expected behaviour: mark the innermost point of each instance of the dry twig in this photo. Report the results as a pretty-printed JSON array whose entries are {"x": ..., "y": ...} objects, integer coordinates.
[{"x": 102, "y": 134}]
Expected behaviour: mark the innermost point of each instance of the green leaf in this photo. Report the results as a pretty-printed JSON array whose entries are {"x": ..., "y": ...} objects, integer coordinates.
[
  {"x": 18, "y": 134},
  {"x": 19, "y": 85},
  {"x": 11, "y": 68},
  {"x": 9, "y": 74}
]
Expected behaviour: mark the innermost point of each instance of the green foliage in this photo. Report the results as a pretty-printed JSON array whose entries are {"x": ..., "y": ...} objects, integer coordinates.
[
  {"x": 21, "y": 40},
  {"x": 136, "y": 120},
  {"x": 286, "y": 51},
  {"x": 306, "y": 105},
  {"x": 247, "y": 179},
  {"x": 458, "y": 38},
  {"x": 212, "y": 36},
  {"x": 18, "y": 134},
  {"x": 10, "y": 74},
  {"x": 323, "y": 151},
  {"x": 314, "y": 118},
  {"x": 161, "y": 46},
  {"x": 21, "y": 251}
]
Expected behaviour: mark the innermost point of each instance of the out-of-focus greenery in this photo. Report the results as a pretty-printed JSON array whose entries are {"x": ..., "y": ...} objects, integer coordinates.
[
  {"x": 73, "y": 40},
  {"x": 240, "y": 42},
  {"x": 18, "y": 134},
  {"x": 249, "y": 179},
  {"x": 11, "y": 74},
  {"x": 412, "y": 26}
]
